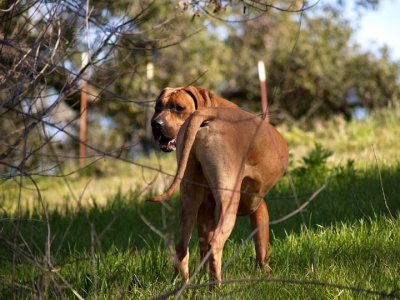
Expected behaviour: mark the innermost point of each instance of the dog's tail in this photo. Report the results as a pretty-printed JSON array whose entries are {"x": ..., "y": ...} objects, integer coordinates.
[{"x": 194, "y": 122}]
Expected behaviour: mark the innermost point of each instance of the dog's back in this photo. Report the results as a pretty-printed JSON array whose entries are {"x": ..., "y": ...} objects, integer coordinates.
[{"x": 232, "y": 145}]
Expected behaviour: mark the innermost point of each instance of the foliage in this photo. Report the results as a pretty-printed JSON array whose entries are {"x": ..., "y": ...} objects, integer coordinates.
[
  {"x": 314, "y": 170},
  {"x": 314, "y": 68},
  {"x": 314, "y": 167},
  {"x": 365, "y": 141}
]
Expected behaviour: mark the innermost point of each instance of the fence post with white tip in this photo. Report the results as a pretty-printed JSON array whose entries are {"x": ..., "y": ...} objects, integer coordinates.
[{"x": 263, "y": 86}]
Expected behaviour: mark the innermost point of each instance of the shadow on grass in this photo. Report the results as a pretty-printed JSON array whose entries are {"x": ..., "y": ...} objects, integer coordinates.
[
  {"x": 119, "y": 225},
  {"x": 350, "y": 196}
]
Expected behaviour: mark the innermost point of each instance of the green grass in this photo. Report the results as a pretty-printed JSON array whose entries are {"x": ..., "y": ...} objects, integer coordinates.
[
  {"x": 345, "y": 244},
  {"x": 109, "y": 251}
]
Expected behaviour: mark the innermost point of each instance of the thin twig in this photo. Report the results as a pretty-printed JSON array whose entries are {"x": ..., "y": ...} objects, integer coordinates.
[
  {"x": 381, "y": 182},
  {"x": 365, "y": 291}
]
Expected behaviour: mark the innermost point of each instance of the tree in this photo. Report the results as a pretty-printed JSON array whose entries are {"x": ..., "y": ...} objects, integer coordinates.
[
  {"x": 314, "y": 68},
  {"x": 41, "y": 47}
]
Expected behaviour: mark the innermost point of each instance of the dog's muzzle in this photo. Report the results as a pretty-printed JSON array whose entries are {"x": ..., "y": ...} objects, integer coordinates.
[{"x": 166, "y": 143}]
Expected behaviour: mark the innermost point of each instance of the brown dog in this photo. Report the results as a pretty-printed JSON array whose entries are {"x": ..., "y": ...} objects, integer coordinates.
[
  {"x": 174, "y": 106},
  {"x": 228, "y": 159}
]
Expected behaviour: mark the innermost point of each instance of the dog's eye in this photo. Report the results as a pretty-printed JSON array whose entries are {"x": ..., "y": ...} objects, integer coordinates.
[
  {"x": 158, "y": 108},
  {"x": 179, "y": 109}
]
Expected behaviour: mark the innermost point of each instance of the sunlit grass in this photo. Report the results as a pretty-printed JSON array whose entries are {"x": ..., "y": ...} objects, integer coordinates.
[
  {"x": 95, "y": 183},
  {"x": 357, "y": 139}
]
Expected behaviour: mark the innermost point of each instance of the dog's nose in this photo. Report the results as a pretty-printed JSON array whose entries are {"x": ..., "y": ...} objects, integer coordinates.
[{"x": 157, "y": 123}]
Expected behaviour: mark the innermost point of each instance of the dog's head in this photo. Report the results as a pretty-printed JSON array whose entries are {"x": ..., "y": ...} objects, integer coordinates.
[{"x": 173, "y": 106}]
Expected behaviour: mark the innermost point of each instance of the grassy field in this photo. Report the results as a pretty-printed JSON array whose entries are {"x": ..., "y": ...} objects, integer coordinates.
[{"x": 105, "y": 242}]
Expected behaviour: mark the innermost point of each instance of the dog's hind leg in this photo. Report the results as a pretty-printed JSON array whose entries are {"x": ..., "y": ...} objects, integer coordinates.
[
  {"x": 228, "y": 202},
  {"x": 190, "y": 201},
  {"x": 206, "y": 226},
  {"x": 260, "y": 224}
]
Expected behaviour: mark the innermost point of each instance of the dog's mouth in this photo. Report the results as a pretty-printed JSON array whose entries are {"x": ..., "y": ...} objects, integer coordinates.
[{"x": 167, "y": 144}]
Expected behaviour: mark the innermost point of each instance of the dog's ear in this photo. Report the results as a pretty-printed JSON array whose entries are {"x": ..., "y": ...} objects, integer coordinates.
[
  {"x": 163, "y": 93},
  {"x": 201, "y": 97},
  {"x": 160, "y": 95}
]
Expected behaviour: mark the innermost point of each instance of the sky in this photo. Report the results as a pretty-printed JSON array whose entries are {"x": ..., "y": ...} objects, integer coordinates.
[{"x": 381, "y": 27}]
